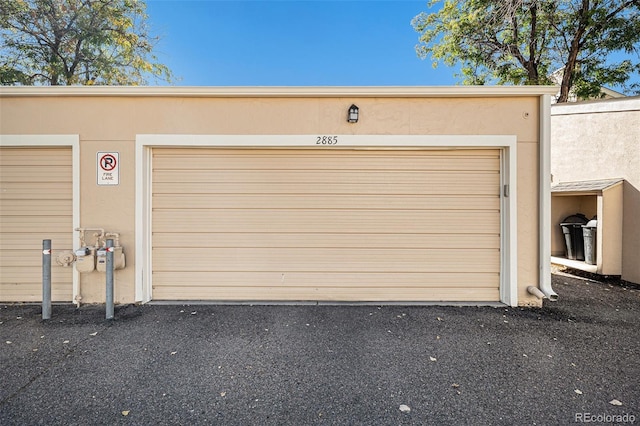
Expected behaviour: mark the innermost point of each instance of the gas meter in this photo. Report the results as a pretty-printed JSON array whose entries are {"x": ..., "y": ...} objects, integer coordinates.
[
  {"x": 86, "y": 259},
  {"x": 101, "y": 259}
]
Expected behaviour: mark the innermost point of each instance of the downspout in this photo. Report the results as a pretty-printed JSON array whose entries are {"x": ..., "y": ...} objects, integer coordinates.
[{"x": 544, "y": 289}]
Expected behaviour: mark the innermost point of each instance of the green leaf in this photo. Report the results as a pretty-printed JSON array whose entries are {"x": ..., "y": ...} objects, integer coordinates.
[{"x": 524, "y": 41}]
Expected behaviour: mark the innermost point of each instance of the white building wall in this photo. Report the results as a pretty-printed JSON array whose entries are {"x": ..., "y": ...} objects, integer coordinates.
[{"x": 601, "y": 140}]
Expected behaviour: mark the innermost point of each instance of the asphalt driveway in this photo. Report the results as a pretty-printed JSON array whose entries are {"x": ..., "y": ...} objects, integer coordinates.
[{"x": 573, "y": 360}]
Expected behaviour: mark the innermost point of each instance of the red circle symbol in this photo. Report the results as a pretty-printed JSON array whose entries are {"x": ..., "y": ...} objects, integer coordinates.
[{"x": 108, "y": 162}]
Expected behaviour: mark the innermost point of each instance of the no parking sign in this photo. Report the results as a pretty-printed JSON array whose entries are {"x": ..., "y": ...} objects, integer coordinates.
[{"x": 108, "y": 168}]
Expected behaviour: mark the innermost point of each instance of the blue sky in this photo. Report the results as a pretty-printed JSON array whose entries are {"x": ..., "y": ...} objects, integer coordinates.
[{"x": 292, "y": 43}]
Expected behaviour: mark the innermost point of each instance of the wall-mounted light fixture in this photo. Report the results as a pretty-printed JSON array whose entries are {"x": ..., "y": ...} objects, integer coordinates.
[{"x": 354, "y": 112}]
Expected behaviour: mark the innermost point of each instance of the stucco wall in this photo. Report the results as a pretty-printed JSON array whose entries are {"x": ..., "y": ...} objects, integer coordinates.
[
  {"x": 110, "y": 123},
  {"x": 600, "y": 140}
]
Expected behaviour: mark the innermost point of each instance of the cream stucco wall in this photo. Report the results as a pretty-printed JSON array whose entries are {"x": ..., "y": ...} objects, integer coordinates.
[
  {"x": 111, "y": 121},
  {"x": 611, "y": 228},
  {"x": 600, "y": 140}
]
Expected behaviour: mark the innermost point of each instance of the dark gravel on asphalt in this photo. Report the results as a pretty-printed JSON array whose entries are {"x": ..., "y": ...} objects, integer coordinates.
[{"x": 334, "y": 365}]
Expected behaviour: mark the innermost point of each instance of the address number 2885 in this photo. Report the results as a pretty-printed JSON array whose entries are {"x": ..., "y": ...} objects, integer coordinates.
[{"x": 326, "y": 140}]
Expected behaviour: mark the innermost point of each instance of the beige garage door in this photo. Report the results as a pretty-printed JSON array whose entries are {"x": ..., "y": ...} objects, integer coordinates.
[
  {"x": 35, "y": 204},
  {"x": 339, "y": 225}
]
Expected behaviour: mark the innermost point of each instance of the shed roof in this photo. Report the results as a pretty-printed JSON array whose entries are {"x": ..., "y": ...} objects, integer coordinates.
[{"x": 586, "y": 185}]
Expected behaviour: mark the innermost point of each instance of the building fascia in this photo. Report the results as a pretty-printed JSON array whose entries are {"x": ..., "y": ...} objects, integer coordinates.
[
  {"x": 277, "y": 91},
  {"x": 599, "y": 106}
]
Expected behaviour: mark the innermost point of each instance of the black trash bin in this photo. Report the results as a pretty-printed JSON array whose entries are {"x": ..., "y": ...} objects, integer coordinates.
[
  {"x": 589, "y": 232},
  {"x": 572, "y": 229}
]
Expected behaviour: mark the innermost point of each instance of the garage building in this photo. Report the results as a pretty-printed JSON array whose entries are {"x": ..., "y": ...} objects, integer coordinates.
[{"x": 386, "y": 194}]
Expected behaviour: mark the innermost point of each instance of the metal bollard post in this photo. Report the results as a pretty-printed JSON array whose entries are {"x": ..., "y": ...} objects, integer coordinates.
[
  {"x": 46, "y": 279},
  {"x": 109, "y": 271}
]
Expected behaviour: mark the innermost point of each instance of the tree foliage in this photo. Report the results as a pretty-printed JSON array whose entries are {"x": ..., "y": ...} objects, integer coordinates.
[
  {"x": 524, "y": 41},
  {"x": 70, "y": 42}
]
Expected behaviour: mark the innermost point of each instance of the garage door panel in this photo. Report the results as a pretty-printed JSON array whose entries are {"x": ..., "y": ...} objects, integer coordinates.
[
  {"x": 42, "y": 191},
  {"x": 371, "y": 294},
  {"x": 333, "y": 259},
  {"x": 327, "y": 177},
  {"x": 327, "y": 240},
  {"x": 298, "y": 201},
  {"x": 462, "y": 160},
  {"x": 35, "y": 204},
  {"x": 34, "y": 174},
  {"x": 56, "y": 207},
  {"x": 17, "y": 258},
  {"x": 20, "y": 275},
  {"x": 35, "y": 157},
  {"x": 485, "y": 184},
  {"x": 22, "y": 241},
  {"x": 31, "y": 291},
  {"x": 408, "y": 221},
  {"x": 34, "y": 224},
  {"x": 279, "y": 224},
  {"x": 181, "y": 279}
]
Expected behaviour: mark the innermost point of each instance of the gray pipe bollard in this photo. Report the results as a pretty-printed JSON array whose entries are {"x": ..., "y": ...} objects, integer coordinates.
[
  {"x": 46, "y": 279},
  {"x": 109, "y": 271}
]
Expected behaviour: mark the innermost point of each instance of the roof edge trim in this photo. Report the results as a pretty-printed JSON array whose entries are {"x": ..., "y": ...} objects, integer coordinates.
[
  {"x": 598, "y": 106},
  {"x": 277, "y": 91}
]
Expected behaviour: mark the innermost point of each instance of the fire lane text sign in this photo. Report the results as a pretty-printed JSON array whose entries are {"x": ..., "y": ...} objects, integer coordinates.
[{"x": 108, "y": 168}]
